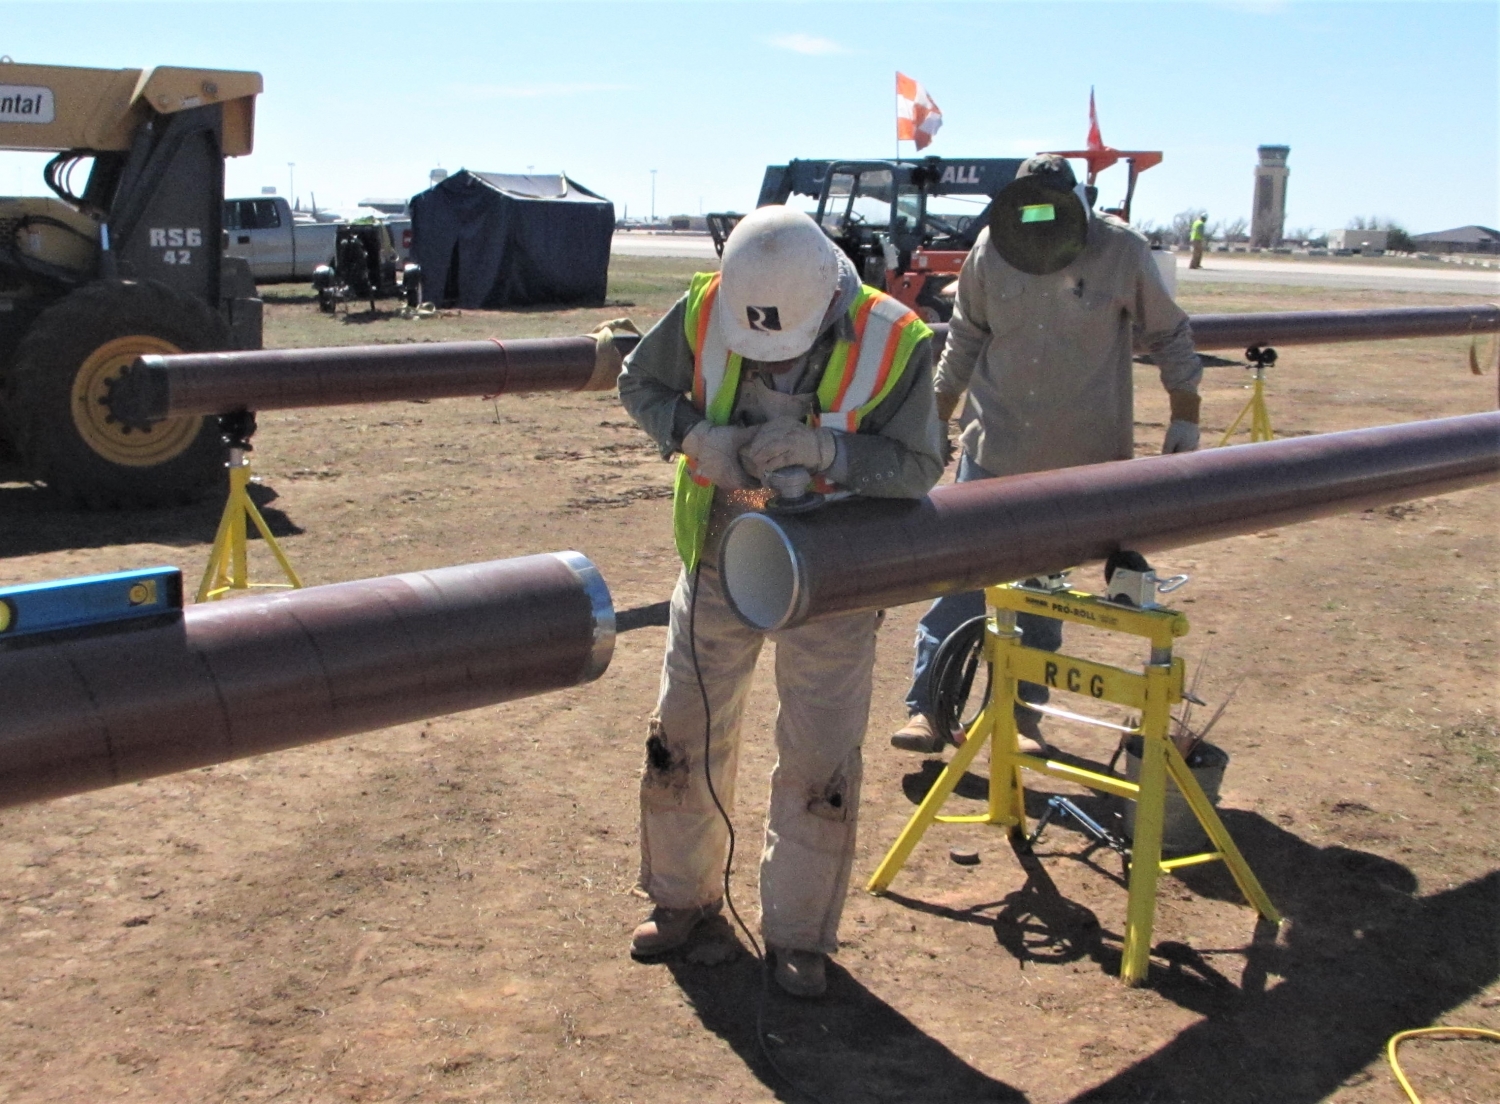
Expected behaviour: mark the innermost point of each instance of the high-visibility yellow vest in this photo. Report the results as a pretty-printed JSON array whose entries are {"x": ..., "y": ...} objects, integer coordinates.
[
  {"x": 857, "y": 378},
  {"x": 1197, "y": 231}
]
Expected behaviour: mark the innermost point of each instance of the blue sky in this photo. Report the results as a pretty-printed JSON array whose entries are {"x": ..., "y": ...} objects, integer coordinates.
[{"x": 1389, "y": 108}]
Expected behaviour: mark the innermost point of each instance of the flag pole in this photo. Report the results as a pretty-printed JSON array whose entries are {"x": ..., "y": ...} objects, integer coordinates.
[{"x": 898, "y": 118}]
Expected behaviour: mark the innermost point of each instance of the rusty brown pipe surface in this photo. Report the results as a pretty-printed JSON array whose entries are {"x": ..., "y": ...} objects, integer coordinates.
[
  {"x": 256, "y": 674},
  {"x": 157, "y": 387},
  {"x": 1239, "y": 331},
  {"x": 1275, "y": 328},
  {"x": 781, "y": 570}
]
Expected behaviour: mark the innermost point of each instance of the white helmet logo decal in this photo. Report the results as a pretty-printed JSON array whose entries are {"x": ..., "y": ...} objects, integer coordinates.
[{"x": 764, "y": 319}]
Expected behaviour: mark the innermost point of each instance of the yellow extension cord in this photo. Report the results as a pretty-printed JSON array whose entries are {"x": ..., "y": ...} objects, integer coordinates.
[{"x": 1400, "y": 1036}]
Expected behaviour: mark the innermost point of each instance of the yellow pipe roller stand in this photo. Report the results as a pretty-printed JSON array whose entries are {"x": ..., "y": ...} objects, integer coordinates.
[
  {"x": 1260, "y": 416},
  {"x": 1152, "y": 691},
  {"x": 229, "y": 563}
]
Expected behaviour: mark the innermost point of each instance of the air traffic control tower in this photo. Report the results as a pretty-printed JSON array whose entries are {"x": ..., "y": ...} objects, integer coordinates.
[{"x": 1269, "y": 213}]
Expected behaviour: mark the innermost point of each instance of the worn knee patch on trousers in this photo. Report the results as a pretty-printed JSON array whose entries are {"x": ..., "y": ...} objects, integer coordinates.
[
  {"x": 667, "y": 766},
  {"x": 832, "y": 800}
]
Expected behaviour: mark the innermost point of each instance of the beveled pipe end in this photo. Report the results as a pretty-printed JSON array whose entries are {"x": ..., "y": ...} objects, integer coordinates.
[
  {"x": 603, "y": 609},
  {"x": 762, "y": 575}
]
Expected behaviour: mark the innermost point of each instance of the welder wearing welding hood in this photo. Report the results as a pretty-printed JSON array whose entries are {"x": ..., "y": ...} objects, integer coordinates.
[
  {"x": 782, "y": 361},
  {"x": 1052, "y": 302}
]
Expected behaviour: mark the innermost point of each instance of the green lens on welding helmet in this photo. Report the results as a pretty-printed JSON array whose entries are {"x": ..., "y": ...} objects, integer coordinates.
[{"x": 1036, "y": 227}]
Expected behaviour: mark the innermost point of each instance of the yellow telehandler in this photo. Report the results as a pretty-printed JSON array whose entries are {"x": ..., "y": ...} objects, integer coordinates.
[{"x": 131, "y": 263}]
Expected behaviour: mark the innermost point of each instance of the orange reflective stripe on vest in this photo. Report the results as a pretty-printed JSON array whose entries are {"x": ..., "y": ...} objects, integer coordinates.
[{"x": 885, "y": 333}]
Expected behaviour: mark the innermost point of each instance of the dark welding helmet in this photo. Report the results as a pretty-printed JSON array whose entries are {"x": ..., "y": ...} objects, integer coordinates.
[{"x": 1038, "y": 223}]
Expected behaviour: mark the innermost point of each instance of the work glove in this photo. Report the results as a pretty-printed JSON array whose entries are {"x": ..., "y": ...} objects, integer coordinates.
[
  {"x": 715, "y": 453},
  {"x": 1182, "y": 436},
  {"x": 607, "y": 359},
  {"x": 787, "y": 442},
  {"x": 1182, "y": 433}
]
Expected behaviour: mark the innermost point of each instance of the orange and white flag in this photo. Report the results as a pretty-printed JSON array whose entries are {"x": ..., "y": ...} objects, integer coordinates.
[{"x": 917, "y": 117}]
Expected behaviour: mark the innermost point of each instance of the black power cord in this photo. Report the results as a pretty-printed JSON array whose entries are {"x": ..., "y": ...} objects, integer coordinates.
[
  {"x": 708, "y": 775},
  {"x": 950, "y": 679}
]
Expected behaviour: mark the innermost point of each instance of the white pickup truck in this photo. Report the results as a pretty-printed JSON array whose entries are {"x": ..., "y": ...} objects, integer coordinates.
[{"x": 277, "y": 245}]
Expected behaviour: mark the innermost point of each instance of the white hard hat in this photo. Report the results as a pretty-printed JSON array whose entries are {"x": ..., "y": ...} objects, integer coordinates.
[{"x": 779, "y": 274}]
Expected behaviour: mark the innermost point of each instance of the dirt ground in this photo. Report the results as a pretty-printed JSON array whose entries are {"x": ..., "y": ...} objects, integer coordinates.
[{"x": 438, "y": 912}]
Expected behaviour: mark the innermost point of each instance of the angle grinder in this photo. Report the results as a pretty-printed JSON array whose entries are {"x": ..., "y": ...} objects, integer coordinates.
[{"x": 793, "y": 493}]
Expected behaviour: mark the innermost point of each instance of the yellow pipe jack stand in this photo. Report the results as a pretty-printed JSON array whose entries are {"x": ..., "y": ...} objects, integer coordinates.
[
  {"x": 1260, "y": 417},
  {"x": 229, "y": 563},
  {"x": 1152, "y": 692}
]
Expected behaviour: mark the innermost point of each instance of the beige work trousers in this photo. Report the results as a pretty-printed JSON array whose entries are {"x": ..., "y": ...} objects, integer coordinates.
[
  {"x": 1197, "y": 261},
  {"x": 823, "y": 683}
]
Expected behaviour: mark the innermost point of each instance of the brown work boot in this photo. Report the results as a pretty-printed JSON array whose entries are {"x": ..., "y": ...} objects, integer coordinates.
[
  {"x": 920, "y": 735},
  {"x": 801, "y": 973},
  {"x": 1029, "y": 729},
  {"x": 666, "y": 929}
]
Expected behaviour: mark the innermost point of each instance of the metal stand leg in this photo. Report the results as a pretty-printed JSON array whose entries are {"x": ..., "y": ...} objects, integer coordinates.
[
  {"x": 228, "y": 567},
  {"x": 1260, "y": 429},
  {"x": 927, "y": 812},
  {"x": 1145, "y": 862},
  {"x": 1225, "y": 849},
  {"x": 1260, "y": 416}
]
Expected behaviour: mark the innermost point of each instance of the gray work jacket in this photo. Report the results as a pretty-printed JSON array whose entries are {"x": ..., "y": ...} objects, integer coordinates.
[
  {"x": 897, "y": 452},
  {"x": 1046, "y": 360}
]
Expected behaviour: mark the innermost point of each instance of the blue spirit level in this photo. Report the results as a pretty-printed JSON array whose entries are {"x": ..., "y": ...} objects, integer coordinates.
[{"x": 89, "y": 600}]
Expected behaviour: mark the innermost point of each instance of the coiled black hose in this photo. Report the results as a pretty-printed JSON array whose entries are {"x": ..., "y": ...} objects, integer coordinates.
[{"x": 950, "y": 679}]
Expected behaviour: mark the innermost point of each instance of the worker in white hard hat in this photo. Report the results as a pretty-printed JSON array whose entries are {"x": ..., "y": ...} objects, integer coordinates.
[
  {"x": 1051, "y": 303},
  {"x": 781, "y": 361}
]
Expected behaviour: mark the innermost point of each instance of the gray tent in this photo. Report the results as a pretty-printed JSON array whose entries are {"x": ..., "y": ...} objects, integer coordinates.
[{"x": 487, "y": 240}]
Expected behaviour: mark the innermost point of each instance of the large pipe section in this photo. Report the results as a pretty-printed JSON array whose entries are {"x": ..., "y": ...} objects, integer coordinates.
[
  {"x": 781, "y": 570},
  {"x": 225, "y": 680},
  {"x": 157, "y": 387},
  {"x": 1240, "y": 331}
]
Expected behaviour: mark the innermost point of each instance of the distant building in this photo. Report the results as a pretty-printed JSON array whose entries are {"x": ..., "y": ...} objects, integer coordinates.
[
  {"x": 1359, "y": 241},
  {"x": 386, "y": 206},
  {"x": 1268, "y": 216},
  {"x": 1464, "y": 239}
]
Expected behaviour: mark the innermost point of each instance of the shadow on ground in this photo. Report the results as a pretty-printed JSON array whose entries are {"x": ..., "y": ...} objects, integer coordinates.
[
  {"x": 34, "y": 521},
  {"x": 364, "y": 316},
  {"x": 849, "y": 1046},
  {"x": 1361, "y": 958}
]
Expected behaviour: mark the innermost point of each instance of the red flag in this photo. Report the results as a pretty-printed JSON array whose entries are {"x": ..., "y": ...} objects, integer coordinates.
[
  {"x": 917, "y": 117},
  {"x": 1095, "y": 142}
]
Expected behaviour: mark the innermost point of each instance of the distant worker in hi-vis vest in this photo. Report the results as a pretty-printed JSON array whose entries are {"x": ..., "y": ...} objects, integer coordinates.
[
  {"x": 1196, "y": 236},
  {"x": 781, "y": 361}
]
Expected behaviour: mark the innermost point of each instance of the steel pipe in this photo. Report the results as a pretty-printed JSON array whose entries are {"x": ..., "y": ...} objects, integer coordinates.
[
  {"x": 157, "y": 387},
  {"x": 227, "y": 680},
  {"x": 781, "y": 570},
  {"x": 1240, "y": 331}
]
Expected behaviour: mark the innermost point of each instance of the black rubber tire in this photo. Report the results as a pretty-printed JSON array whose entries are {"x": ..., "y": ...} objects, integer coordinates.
[{"x": 39, "y": 395}]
